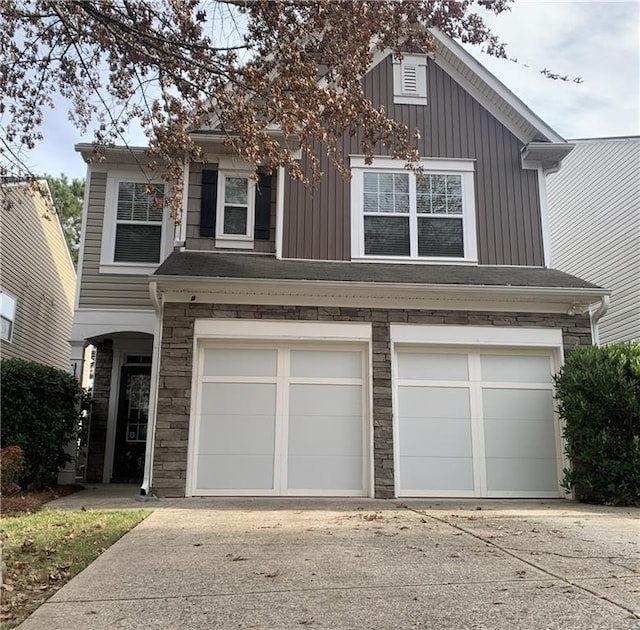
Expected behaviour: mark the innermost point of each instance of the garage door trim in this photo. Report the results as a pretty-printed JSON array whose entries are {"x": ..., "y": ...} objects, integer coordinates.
[
  {"x": 473, "y": 340},
  {"x": 282, "y": 335}
]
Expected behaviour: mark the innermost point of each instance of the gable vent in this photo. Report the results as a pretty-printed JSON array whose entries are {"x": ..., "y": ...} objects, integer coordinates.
[{"x": 409, "y": 79}]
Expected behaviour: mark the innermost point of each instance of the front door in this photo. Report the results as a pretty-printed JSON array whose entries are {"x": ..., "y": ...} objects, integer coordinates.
[{"x": 131, "y": 426}]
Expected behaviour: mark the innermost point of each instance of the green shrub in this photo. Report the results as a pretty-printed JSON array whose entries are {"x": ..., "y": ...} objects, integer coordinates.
[
  {"x": 598, "y": 390},
  {"x": 40, "y": 406},
  {"x": 11, "y": 469}
]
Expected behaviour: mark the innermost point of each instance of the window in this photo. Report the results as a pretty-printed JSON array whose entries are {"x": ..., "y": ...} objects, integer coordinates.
[
  {"x": 410, "y": 80},
  {"x": 138, "y": 222},
  {"x": 258, "y": 196},
  {"x": 7, "y": 315},
  {"x": 398, "y": 214},
  {"x": 235, "y": 209},
  {"x": 136, "y": 234}
]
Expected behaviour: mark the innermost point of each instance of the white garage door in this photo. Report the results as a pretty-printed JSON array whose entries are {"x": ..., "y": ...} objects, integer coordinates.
[
  {"x": 476, "y": 424},
  {"x": 280, "y": 421}
]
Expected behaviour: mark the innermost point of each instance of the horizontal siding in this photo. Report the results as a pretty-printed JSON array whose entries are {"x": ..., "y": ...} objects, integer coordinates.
[
  {"x": 37, "y": 270},
  {"x": 105, "y": 290},
  {"x": 452, "y": 125},
  {"x": 200, "y": 243},
  {"x": 594, "y": 218}
]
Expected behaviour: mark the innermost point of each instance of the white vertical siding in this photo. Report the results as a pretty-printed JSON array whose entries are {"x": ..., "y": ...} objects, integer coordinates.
[{"x": 594, "y": 212}]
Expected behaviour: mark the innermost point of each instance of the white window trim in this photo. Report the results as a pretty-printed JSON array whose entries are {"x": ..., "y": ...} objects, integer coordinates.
[
  {"x": 107, "y": 249},
  {"x": 15, "y": 313},
  {"x": 464, "y": 168},
  {"x": 402, "y": 97},
  {"x": 236, "y": 241}
]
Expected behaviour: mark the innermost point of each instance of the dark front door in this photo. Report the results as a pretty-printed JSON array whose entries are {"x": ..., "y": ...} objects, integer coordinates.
[{"x": 131, "y": 426}]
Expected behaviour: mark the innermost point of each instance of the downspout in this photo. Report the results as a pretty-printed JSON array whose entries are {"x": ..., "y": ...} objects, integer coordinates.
[
  {"x": 596, "y": 316},
  {"x": 147, "y": 479}
]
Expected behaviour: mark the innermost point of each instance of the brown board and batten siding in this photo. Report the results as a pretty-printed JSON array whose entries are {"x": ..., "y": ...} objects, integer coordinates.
[
  {"x": 105, "y": 290},
  {"x": 452, "y": 125},
  {"x": 207, "y": 243}
]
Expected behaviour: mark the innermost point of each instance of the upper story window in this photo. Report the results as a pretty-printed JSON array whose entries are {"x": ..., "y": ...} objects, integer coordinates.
[
  {"x": 136, "y": 227},
  {"x": 397, "y": 215},
  {"x": 234, "y": 208},
  {"x": 7, "y": 315},
  {"x": 410, "y": 80}
]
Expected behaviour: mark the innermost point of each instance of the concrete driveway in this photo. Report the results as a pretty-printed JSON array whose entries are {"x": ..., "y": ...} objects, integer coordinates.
[{"x": 318, "y": 563}]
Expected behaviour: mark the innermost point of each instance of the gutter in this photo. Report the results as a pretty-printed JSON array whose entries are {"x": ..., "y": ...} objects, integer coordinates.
[
  {"x": 146, "y": 493},
  {"x": 596, "y": 316}
]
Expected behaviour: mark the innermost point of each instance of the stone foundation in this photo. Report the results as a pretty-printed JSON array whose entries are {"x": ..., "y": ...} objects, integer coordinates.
[{"x": 174, "y": 398}]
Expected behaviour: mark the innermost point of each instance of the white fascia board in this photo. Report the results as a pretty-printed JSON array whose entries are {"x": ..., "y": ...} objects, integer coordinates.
[
  {"x": 496, "y": 85},
  {"x": 290, "y": 330},
  {"x": 476, "y": 335},
  {"x": 376, "y": 295},
  {"x": 90, "y": 323}
]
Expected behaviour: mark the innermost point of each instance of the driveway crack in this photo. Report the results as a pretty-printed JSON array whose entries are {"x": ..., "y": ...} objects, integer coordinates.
[{"x": 506, "y": 550}]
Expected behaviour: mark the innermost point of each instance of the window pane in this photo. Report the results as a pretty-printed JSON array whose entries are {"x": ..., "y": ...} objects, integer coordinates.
[
  {"x": 370, "y": 182},
  {"x": 370, "y": 202},
  {"x": 440, "y": 237},
  {"x": 423, "y": 195},
  {"x": 235, "y": 191},
  {"x": 454, "y": 194},
  {"x": 138, "y": 243},
  {"x": 386, "y": 236},
  {"x": 7, "y": 306},
  {"x": 438, "y": 194},
  {"x": 139, "y": 202},
  {"x": 5, "y": 329},
  {"x": 235, "y": 220}
]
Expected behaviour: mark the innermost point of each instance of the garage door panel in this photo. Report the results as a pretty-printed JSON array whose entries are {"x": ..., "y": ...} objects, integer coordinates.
[
  {"x": 327, "y": 473},
  {"x": 325, "y": 400},
  {"x": 433, "y": 402},
  {"x": 237, "y": 434},
  {"x": 520, "y": 439},
  {"x": 234, "y": 472},
  {"x": 314, "y": 435},
  {"x": 436, "y": 474},
  {"x": 435, "y": 437},
  {"x": 515, "y": 368},
  {"x": 517, "y": 404},
  {"x": 326, "y": 364},
  {"x": 511, "y": 475},
  {"x": 239, "y": 362},
  {"x": 426, "y": 366},
  {"x": 238, "y": 399}
]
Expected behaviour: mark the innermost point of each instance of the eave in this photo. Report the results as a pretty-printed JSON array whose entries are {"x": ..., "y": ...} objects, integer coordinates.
[{"x": 376, "y": 294}]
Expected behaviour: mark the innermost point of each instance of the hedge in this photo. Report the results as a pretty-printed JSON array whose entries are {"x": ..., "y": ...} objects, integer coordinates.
[
  {"x": 598, "y": 393},
  {"x": 40, "y": 410}
]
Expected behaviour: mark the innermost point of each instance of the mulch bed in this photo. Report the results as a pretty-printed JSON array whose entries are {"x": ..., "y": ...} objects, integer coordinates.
[{"x": 32, "y": 501}]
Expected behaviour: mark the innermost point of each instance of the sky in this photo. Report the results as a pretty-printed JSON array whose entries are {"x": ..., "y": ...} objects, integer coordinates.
[{"x": 598, "y": 41}]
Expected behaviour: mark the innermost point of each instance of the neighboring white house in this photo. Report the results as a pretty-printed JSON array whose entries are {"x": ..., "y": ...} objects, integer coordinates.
[{"x": 594, "y": 217}]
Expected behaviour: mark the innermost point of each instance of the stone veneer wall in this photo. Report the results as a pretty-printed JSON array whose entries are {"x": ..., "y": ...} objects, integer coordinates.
[
  {"x": 99, "y": 412},
  {"x": 172, "y": 430}
]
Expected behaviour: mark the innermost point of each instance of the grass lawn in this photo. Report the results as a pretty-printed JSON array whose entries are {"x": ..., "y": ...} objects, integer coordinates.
[{"x": 43, "y": 551}]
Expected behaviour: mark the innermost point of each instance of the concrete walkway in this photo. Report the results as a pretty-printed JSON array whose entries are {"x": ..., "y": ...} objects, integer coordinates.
[{"x": 351, "y": 563}]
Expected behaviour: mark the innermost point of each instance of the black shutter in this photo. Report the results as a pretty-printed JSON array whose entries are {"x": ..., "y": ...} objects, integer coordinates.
[
  {"x": 208, "y": 199},
  {"x": 262, "y": 227}
]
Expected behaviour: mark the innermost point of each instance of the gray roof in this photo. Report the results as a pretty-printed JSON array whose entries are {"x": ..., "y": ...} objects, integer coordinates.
[{"x": 253, "y": 266}]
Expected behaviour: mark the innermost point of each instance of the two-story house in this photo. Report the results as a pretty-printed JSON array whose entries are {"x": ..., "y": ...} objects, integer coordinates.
[{"x": 385, "y": 336}]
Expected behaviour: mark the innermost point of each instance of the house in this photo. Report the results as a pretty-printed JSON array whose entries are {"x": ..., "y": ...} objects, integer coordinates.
[
  {"x": 384, "y": 336},
  {"x": 38, "y": 280},
  {"x": 594, "y": 220}
]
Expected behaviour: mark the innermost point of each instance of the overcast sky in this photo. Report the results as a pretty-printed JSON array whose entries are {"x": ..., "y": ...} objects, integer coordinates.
[{"x": 598, "y": 41}]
